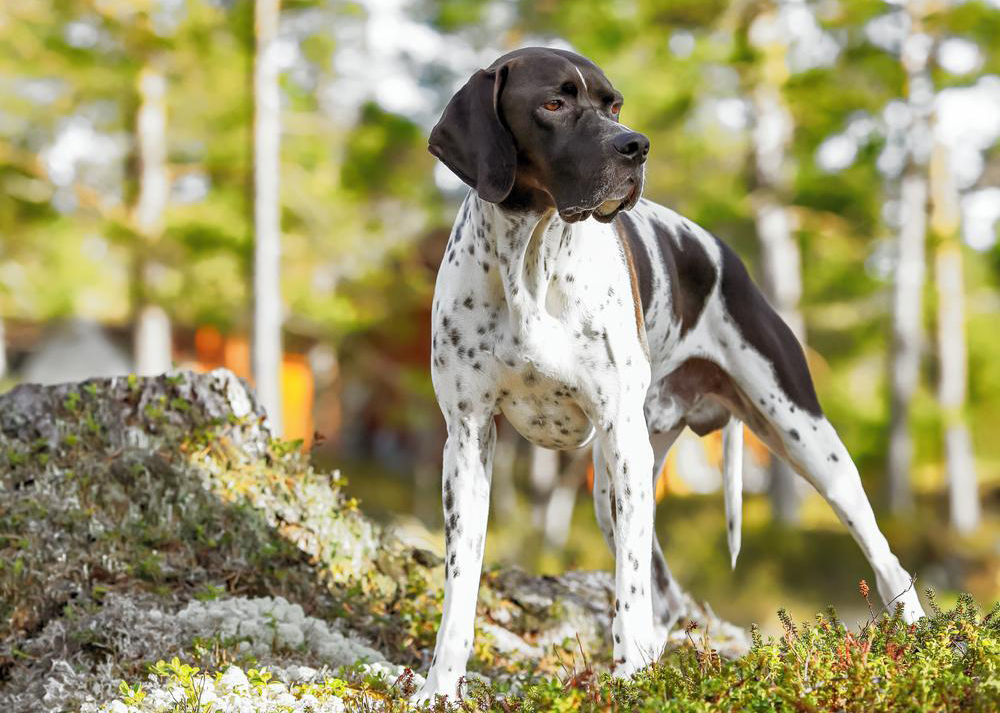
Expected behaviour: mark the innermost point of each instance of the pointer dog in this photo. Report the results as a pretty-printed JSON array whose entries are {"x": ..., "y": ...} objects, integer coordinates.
[{"x": 582, "y": 312}]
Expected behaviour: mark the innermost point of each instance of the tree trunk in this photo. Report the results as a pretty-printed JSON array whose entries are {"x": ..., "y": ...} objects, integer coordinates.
[
  {"x": 781, "y": 264},
  {"x": 544, "y": 476},
  {"x": 267, "y": 312},
  {"x": 963, "y": 495},
  {"x": 503, "y": 490},
  {"x": 909, "y": 277},
  {"x": 152, "y": 342},
  {"x": 151, "y": 337},
  {"x": 907, "y": 335},
  {"x": 562, "y": 500}
]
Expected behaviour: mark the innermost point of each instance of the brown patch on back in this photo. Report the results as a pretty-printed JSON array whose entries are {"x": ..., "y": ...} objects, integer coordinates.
[
  {"x": 766, "y": 332},
  {"x": 695, "y": 274}
]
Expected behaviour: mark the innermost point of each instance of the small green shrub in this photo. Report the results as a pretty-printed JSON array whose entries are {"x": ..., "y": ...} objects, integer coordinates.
[{"x": 949, "y": 661}]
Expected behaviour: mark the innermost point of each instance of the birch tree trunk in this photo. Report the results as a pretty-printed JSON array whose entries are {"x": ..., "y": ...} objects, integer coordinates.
[
  {"x": 963, "y": 495},
  {"x": 544, "y": 475},
  {"x": 267, "y": 311},
  {"x": 907, "y": 335},
  {"x": 562, "y": 499},
  {"x": 781, "y": 264},
  {"x": 909, "y": 277},
  {"x": 151, "y": 337},
  {"x": 503, "y": 493}
]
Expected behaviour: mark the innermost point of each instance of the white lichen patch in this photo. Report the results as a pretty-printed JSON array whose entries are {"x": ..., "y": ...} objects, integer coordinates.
[
  {"x": 270, "y": 630},
  {"x": 266, "y": 626}
]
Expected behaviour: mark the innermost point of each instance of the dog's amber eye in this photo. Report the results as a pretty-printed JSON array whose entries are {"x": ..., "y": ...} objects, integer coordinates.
[
  {"x": 552, "y": 105},
  {"x": 615, "y": 108}
]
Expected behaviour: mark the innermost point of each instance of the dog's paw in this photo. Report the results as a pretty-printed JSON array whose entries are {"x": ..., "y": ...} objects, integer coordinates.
[
  {"x": 640, "y": 655},
  {"x": 434, "y": 687},
  {"x": 425, "y": 696},
  {"x": 912, "y": 611}
]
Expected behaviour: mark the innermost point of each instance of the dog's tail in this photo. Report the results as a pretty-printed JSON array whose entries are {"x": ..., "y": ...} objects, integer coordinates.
[{"x": 732, "y": 484}]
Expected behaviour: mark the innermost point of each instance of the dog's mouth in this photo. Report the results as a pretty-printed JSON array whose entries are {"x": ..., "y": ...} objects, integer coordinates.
[{"x": 607, "y": 210}]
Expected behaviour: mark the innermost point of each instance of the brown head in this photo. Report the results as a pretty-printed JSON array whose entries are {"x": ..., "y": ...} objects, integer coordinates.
[{"x": 539, "y": 129}]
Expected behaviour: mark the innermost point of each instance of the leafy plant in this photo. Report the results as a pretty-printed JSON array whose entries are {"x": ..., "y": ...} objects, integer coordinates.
[{"x": 183, "y": 676}]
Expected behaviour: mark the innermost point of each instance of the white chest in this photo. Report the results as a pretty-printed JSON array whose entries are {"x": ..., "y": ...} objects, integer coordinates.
[{"x": 540, "y": 319}]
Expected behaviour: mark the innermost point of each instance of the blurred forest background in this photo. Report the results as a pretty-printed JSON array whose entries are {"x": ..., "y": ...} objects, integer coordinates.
[{"x": 240, "y": 183}]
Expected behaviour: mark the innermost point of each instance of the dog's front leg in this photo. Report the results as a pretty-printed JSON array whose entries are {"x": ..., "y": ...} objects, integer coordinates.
[
  {"x": 465, "y": 486},
  {"x": 626, "y": 448}
]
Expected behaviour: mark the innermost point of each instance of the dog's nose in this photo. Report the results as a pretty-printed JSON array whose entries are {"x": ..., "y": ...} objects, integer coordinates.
[{"x": 632, "y": 144}]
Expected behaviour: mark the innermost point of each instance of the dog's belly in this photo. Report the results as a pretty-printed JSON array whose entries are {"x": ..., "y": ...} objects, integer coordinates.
[{"x": 546, "y": 413}]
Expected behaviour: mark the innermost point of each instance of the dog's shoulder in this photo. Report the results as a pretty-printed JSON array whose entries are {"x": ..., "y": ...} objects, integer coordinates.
[{"x": 672, "y": 252}]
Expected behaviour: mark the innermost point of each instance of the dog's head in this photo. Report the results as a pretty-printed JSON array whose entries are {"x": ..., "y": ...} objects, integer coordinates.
[{"x": 539, "y": 128}]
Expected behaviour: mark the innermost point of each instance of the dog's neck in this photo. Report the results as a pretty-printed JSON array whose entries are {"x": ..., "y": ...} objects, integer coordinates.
[{"x": 524, "y": 247}]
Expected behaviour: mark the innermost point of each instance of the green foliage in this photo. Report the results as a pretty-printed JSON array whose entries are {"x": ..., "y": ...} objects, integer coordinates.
[
  {"x": 184, "y": 676},
  {"x": 379, "y": 151},
  {"x": 452, "y": 15},
  {"x": 357, "y": 194},
  {"x": 203, "y": 253},
  {"x": 131, "y": 696}
]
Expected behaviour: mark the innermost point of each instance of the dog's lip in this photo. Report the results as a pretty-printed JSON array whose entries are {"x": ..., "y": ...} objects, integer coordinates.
[
  {"x": 606, "y": 210},
  {"x": 609, "y": 206},
  {"x": 632, "y": 198},
  {"x": 575, "y": 215},
  {"x": 617, "y": 205}
]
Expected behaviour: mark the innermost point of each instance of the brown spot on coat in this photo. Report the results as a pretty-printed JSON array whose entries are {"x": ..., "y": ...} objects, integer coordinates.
[{"x": 640, "y": 326}]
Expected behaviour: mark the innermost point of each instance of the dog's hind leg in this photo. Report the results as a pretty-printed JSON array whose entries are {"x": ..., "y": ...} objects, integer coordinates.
[
  {"x": 775, "y": 398},
  {"x": 813, "y": 448},
  {"x": 774, "y": 395},
  {"x": 669, "y": 601}
]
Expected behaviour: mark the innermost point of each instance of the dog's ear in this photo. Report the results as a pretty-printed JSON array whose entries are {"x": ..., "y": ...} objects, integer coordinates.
[{"x": 472, "y": 140}]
